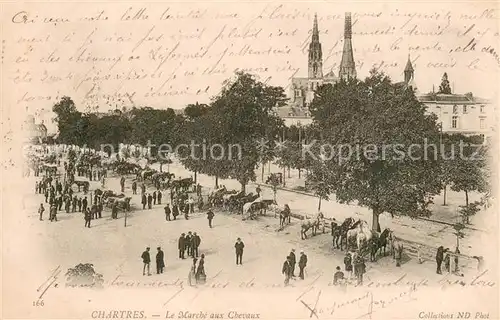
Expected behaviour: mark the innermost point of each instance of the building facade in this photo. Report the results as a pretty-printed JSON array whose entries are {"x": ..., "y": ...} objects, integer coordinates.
[
  {"x": 302, "y": 89},
  {"x": 34, "y": 132}
]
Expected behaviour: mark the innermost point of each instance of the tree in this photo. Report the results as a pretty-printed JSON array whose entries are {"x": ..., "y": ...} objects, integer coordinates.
[
  {"x": 69, "y": 122},
  {"x": 241, "y": 116},
  {"x": 444, "y": 87},
  {"x": 469, "y": 210},
  {"x": 368, "y": 128},
  {"x": 274, "y": 182},
  {"x": 319, "y": 180},
  {"x": 468, "y": 167},
  {"x": 458, "y": 232}
]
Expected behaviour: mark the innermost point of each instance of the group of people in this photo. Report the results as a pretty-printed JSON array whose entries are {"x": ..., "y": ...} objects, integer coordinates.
[
  {"x": 146, "y": 260},
  {"x": 188, "y": 243},
  {"x": 151, "y": 199},
  {"x": 288, "y": 269}
]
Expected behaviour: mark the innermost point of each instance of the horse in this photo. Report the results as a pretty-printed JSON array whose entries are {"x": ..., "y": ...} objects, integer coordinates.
[
  {"x": 343, "y": 229},
  {"x": 320, "y": 218},
  {"x": 361, "y": 232},
  {"x": 284, "y": 216},
  {"x": 396, "y": 248},
  {"x": 306, "y": 225},
  {"x": 379, "y": 242}
]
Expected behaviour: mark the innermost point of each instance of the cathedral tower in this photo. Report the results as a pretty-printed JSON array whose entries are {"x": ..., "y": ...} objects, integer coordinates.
[
  {"x": 315, "y": 65},
  {"x": 347, "y": 66},
  {"x": 409, "y": 72}
]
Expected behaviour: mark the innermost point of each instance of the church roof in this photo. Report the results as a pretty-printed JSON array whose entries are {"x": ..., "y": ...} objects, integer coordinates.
[
  {"x": 451, "y": 98},
  {"x": 287, "y": 112},
  {"x": 409, "y": 67},
  {"x": 301, "y": 83},
  {"x": 331, "y": 75}
]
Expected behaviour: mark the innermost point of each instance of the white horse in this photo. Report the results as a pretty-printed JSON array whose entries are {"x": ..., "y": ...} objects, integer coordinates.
[{"x": 362, "y": 233}]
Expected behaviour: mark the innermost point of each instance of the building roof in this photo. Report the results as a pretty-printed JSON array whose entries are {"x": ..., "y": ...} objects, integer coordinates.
[
  {"x": 409, "y": 67},
  {"x": 300, "y": 83},
  {"x": 291, "y": 112},
  {"x": 451, "y": 98}
]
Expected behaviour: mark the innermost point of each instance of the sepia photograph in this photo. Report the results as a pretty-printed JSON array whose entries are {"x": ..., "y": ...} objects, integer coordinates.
[{"x": 249, "y": 160}]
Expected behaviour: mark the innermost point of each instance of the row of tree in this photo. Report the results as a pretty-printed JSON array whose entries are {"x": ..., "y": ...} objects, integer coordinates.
[{"x": 373, "y": 112}]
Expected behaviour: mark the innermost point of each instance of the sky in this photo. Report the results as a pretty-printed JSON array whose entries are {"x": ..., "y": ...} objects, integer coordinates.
[{"x": 171, "y": 54}]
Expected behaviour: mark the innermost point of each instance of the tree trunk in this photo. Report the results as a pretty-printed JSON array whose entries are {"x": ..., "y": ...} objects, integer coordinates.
[
  {"x": 243, "y": 187},
  {"x": 195, "y": 176},
  {"x": 284, "y": 173},
  {"x": 466, "y": 198},
  {"x": 161, "y": 167},
  {"x": 216, "y": 182},
  {"x": 299, "y": 172},
  {"x": 269, "y": 167},
  {"x": 444, "y": 196},
  {"x": 458, "y": 241},
  {"x": 125, "y": 220},
  {"x": 375, "y": 221},
  {"x": 288, "y": 172},
  {"x": 274, "y": 191},
  {"x": 319, "y": 205},
  {"x": 262, "y": 175}
]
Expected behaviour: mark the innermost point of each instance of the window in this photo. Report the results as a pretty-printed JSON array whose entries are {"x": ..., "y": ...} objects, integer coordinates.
[
  {"x": 481, "y": 109},
  {"x": 454, "y": 122},
  {"x": 482, "y": 123},
  {"x": 465, "y": 109},
  {"x": 455, "y": 109},
  {"x": 298, "y": 93}
]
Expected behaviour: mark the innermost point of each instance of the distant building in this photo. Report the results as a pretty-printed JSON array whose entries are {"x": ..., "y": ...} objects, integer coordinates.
[
  {"x": 302, "y": 89},
  {"x": 36, "y": 133},
  {"x": 460, "y": 113}
]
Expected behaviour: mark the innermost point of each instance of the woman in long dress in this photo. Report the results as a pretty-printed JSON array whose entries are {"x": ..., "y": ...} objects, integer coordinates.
[
  {"x": 200, "y": 272},
  {"x": 192, "y": 273}
]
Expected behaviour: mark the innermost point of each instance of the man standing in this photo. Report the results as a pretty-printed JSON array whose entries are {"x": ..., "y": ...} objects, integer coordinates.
[
  {"x": 167, "y": 212},
  {"x": 40, "y": 211},
  {"x": 154, "y": 197},
  {"x": 439, "y": 259},
  {"x": 159, "y": 195},
  {"x": 287, "y": 270},
  {"x": 210, "y": 217},
  {"x": 239, "y": 245},
  {"x": 175, "y": 210},
  {"x": 144, "y": 201},
  {"x": 122, "y": 184},
  {"x": 134, "y": 187},
  {"x": 302, "y": 264},
  {"x": 53, "y": 213},
  {"x": 84, "y": 204},
  {"x": 359, "y": 268},
  {"x": 293, "y": 261},
  {"x": 181, "y": 246},
  {"x": 188, "y": 241},
  {"x": 88, "y": 217},
  {"x": 143, "y": 188},
  {"x": 150, "y": 200},
  {"x": 195, "y": 243},
  {"x": 186, "y": 211},
  {"x": 160, "y": 263},
  {"x": 146, "y": 259}
]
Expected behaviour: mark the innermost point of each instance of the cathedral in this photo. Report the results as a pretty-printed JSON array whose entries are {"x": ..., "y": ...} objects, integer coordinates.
[{"x": 302, "y": 89}]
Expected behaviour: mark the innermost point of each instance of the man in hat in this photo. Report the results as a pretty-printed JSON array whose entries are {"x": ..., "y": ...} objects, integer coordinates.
[
  {"x": 167, "y": 212},
  {"x": 158, "y": 196},
  {"x": 210, "y": 217},
  {"x": 150, "y": 201},
  {"x": 195, "y": 243},
  {"x": 338, "y": 276},
  {"x": 154, "y": 197},
  {"x": 181, "y": 246},
  {"x": 302, "y": 264},
  {"x": 146, "y": 259},
  {"x": 41, "y": 211},
  {"x": 188, "y": 243},
  {"x": 134, "y": 187},
  {"x": 160, "y": 263},
  {"x": 287, "y": 270},
  {"x": 239, "y": 245},
  {"x": 293, "y": 261}
]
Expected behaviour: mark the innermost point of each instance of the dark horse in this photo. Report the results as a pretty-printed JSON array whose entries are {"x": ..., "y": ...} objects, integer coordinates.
[
  {"x": 339, "y": 233},
  {"x": 379, "y": 242}
]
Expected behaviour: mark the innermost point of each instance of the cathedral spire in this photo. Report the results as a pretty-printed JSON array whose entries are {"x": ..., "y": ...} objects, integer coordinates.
[
  {"x": 315, "y": 65},
  {"x": 408, "y": 70},
  {"x": 347, "y": 65}
]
